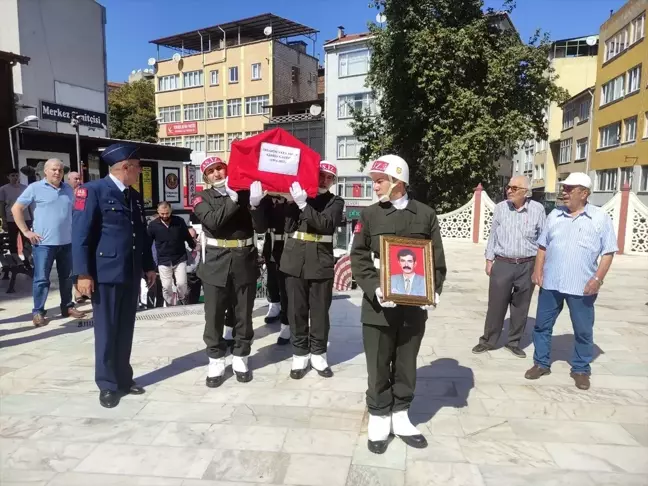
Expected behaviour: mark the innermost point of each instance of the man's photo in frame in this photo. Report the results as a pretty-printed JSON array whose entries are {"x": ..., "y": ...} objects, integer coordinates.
[{"x": 407, "y": 270}]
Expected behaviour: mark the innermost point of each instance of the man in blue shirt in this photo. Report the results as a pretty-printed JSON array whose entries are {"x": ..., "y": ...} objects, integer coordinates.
[
  {"x": 51, "y": 237},
  {"x": 566, "y": 270}
]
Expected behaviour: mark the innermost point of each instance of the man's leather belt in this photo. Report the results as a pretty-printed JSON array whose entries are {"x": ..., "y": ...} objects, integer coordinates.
[
  {"x": 515, "y": 261},
  {"x": 229, "y": 243},
  {"x": 299, "y": 235}
]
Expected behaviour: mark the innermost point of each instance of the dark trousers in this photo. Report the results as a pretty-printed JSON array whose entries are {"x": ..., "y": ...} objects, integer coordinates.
[
  {"x": 14, "y": 233},
  {"x": 114, "y": 307},
  {"x": 195, "y": 284},
  {"x": 510, "y": 285},
  {"x": 304, "y": 297},
  {"x": 277, "y": 289},
  {"x": 391, "y": 353},
  {"x": 217, "y": 300}
]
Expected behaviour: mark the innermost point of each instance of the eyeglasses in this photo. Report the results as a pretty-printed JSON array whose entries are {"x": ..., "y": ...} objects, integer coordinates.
[{"x": 514, "y": 188}]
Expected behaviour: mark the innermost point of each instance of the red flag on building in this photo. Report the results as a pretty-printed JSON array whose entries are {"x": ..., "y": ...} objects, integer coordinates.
[
  {"x": 357, "y": 190},
  {"x": 342, "y": 274}
]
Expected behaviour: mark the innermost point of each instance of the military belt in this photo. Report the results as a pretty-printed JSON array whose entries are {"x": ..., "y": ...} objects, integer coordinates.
[
  {"x": 300, "y": 235},
  {"x": 221, "y": 243},
  {"x": 276, "y": 237}
]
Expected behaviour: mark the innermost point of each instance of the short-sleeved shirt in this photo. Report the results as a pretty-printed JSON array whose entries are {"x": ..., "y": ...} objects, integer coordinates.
[
  {"x": 514, "y": 232},
  {"x": 52, "y": 211},
  {"x": 573, "y": 246},
  {"x": 8, "y": 195}
]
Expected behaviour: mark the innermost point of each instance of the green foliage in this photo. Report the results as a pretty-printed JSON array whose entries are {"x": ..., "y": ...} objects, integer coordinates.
[
  {"x": 454, "y": 92},
  {"x": 132, "y": 112}
]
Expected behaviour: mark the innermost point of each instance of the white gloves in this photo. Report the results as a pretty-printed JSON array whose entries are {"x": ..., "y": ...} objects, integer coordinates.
[
  {"x": 298, "y": 195},
  {"x": 432, "y": 307},
  {"x": 383, "y": 303},
  {"x": 232, "y": 194},
  {"x": 256, "y": 194}
]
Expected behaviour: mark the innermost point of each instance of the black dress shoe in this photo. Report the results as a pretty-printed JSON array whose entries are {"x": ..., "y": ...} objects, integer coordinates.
[
  {"x": 326, "y": 372},
  {"x": 243, "y": 376},
  {"x": 271, "y": 320},
  {"x": 108, "y": 398},
  {"x": 283, "y": 341},
  {"x": 135, "y": 390},
  {"x": 516, "y": 351},
  {"x": 416, "y": 441},
  {"x": 377, "y": 446},
  {"x": 298, "y": 374},
  {"x": 214, "y": 381}
]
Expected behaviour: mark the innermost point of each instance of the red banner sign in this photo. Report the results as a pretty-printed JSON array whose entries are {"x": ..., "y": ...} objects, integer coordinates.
[
  {"x": 188, "y": 128},
  {"x": 357, "y": 190}
]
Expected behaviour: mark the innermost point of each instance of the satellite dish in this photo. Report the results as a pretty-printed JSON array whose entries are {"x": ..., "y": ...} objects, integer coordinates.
[
  {"x": 152, "y": 61},
  {"x": 176, "y": 57},
  {"x": 315, "y": 110},
  {"x": 380, "y": 18},
  {"x": 267, "y": 31},
  {"x": 591, "y": 40}
]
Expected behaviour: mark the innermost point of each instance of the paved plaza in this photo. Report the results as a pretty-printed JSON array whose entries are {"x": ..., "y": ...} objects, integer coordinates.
[{"x": 485, "y": 423}]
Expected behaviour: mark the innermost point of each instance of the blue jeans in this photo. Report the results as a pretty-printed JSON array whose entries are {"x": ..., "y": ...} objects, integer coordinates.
[
  {"x": 581, "y": 311},
  {"x": 44, "y": 257}
]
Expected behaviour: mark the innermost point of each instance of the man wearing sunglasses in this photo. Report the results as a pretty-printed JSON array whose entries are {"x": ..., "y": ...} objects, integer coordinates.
[
  {"x": 575, "y": 252},
  {"x": 510, "y": 256}
]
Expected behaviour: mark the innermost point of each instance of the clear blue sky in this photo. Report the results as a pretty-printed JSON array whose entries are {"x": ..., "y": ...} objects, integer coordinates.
[{"x": 133, "y": 23}]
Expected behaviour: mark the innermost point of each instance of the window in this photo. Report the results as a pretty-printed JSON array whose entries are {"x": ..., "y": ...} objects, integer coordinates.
[
  {"x": 214, "y": 109},
  {"x": 347, "y": 104},
  {"x": 231, "y": 137},
  {"x": 638, "y": 28},
  {"x": 610, "y": 135},
  {"x": 565, "y": 151},
  {"x": 626, "y": 176},
  {"x": 348, "y": 148},
  {"x": 568, "y": 117},
  {"x": 216, "y": 143},
  {"x": 630, "y": 129},
  {"x": 355, "y": 187},
  {"x": 254, "y": 105},
  {"x": 234, "y": 108},
  {"x": 538, "y": 172},
  {"x": 353, "y": 63},
  {"x": 169, "y": 114},
  {"x": 528, "y": 159},
  {"x": 584, "y": 110},
  {"x": 193, "y": 79},
  {"x": 214, "y": 78},
  {"x": 541, "y": 146},
  {"x": 581, "y": 148},
  {"x": 233, "y": 74},
  {"x": 256, "y": 71},
  {"x": 612, "y": 90},
  {"x": 643, "y": 182},
  {"x": 253, "y": 133},
  {"x": 617, "y": 43},
  {"x": 194, "y": 111},
  {"x": 171, "y": 141},
  {"x": 167, "y": 83},
  {"x": 634, "y": 79},
  {"x": 195, "y": 142},
  {"x": 606, "y": 180}
]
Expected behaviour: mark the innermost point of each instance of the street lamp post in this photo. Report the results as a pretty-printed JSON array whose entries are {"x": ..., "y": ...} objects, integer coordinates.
[
  {"x": 75, "y": 124},
  {"x": 27, "y": 119}
]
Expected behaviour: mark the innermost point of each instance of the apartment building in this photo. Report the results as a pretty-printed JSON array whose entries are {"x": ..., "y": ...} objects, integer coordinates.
[
  {"x": 221, "y": 81},
  {"x": 619, "y": 152},
  {"x": 573, "y": 149}
]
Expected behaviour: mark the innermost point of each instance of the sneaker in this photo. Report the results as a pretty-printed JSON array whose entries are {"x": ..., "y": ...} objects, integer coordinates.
[
  {"x": 516, "y": 351},
  {"x": 536, "y": 372},
  {"x": 481, "y": 348}
]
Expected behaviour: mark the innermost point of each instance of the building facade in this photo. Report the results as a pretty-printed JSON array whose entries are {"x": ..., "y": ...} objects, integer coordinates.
[
  {"x": 619, "y": 152},
  {"x": 573, "y": 149}
]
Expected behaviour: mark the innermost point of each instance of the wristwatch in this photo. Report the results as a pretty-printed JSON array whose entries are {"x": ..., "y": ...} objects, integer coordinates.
[{"x": 598, "y": 280}]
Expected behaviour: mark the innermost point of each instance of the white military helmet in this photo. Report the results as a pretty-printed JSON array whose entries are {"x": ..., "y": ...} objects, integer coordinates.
[
  {"x": 392, "y": 166},
  {"x": 330, "y": 167}
]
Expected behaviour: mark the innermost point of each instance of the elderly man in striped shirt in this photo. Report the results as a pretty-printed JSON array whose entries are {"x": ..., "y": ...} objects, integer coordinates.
[
  {"x": 576, "y": 250},
  {"x": 510, "y": 256}
]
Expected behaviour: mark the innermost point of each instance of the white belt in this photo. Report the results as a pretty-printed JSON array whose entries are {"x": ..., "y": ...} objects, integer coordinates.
[
  {"x": 377, "y": 263},
  {"x": 300, "y": 235}
]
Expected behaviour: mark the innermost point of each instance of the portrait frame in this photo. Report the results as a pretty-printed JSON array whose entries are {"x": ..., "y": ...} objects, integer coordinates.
[
  {"x": 389, "y": 246},
  {"x": 172, "y": 184}
]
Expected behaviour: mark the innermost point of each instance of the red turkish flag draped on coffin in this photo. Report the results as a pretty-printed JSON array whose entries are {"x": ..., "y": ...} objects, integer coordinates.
[{"x": 275, "y": 158}]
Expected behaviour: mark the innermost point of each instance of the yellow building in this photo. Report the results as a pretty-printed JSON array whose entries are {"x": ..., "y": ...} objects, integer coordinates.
[
  {"x": 619, "y": 153},
  {"x": 218, "y": 85}
]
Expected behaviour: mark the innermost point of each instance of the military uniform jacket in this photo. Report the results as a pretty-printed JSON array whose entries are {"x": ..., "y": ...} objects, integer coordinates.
[
  {"x": 415, "y": 221},
  {"x": 308, "y": 259},
  {"x": 225, "y": 219},
  {"x": 109, "y": 238},
  {"x": 274, "y": 208}
]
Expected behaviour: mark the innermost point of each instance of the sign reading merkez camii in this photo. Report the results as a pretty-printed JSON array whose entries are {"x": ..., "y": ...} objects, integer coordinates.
[{"x": 63, "y": 113}]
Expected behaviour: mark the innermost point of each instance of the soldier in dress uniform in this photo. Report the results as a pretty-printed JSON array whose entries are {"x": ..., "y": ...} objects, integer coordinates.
[
  {"x": 392, "y": 333},
  {"x": 307, "y": 261},
  {"x": 110, "y": 249},
  {"x": 228, "y": 267}
]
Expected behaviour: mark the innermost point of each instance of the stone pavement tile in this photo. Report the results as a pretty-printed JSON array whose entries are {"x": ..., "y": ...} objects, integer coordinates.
[
  {"x": 256, "y": 396},
  {"x": 506, "y": 453},
  {"x": 354, "y": 401},
  {"x": 522, "y": 409},
  {"x": 23, "y": 426},
  {"x": 440, "y": 388},
  {"x": 248, "y": 466},
  {"x": 147, "y": 461},
  {"x": 323, "y": 418},
  {"x": 439, "y": 424},
  {"x": 639, "y": 432},
  {"x": 187, "y": 412},
  {"x": 209, "y": 482},
  {"x": 439, "y": 449},
  {"x": 423, "y": 473},
  {"x": 583, "y": 457},
  {"x": 619, "y": 479},
  {"x": 85, "y": 479},
  {"x": 628, "y": 369},
  {"x": 177, "y": 393},
  {"x": 374, "y": 476},
  {"x": 218, "y": 436},
  {"x": 25, "y": 404},
  {"x": 572, "y": 432},
  {"x": 316, "y": 470},
  {"x": 532, "y": 476},
  {"x": 521, "y": 392},
  {"x": 394, "y": 458},
  {"x": 89, "y": 407},
  {"x": 7, "y": 447},
  {"x": 605, "y": 413},
  {"x": 48, "y": 456},
  {"x": 318, "y": 441},
  {"x": 487, "y": 428},
  {"x": 484, "y": 390},
  {"x": 620, "y": 382},
  {"x": 600, "y": 395},
  {"x": 21, "y": 477}
]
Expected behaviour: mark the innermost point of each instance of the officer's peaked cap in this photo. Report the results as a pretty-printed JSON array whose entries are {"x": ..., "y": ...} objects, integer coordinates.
[{"x": 118, "y": 152}]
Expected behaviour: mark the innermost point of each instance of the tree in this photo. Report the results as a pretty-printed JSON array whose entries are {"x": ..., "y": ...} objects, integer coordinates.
[
  {"x": 132, "y": 112},
  {"x": 454, "y": 92}
]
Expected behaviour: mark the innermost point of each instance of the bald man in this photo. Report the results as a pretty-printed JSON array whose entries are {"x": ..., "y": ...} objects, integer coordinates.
[{"x": 510, "y": 259}]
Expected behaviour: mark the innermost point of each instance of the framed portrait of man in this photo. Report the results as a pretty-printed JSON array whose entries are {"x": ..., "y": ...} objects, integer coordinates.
[{"x": 407, "y": 270}]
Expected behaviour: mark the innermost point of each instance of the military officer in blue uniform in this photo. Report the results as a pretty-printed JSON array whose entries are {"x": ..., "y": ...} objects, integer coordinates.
[{"x": 110, "y": 250}]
